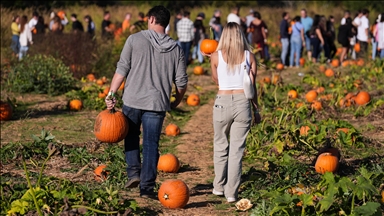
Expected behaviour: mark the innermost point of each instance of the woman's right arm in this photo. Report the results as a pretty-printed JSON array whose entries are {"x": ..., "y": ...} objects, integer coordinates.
[
  {"x": 318, "y": 32},
  {"x": 255, "y": 104}
]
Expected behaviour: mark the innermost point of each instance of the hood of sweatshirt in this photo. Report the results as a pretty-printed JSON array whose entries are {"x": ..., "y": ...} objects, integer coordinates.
[{"x": 161, "y": 42}]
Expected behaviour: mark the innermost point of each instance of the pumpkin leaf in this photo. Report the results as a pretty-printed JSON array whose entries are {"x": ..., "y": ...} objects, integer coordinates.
[
  {"x": 279, "y": 146},
  {"x": 369, "y": 208},
  {"x": 307, "y": 199},
  {"x": 18, "y": 206},
  {"x": 327, "y": 201},
  {"x": 364, "y": 188}
]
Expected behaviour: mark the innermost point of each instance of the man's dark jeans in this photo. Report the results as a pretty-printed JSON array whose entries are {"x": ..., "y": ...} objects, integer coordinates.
[
  {"x": 186, "y": 47},
  {"x": 151, "y": 123}
]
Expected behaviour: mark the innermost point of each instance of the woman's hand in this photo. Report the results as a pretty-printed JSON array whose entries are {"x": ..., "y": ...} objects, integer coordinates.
[
  {"x": 205, "y": 54},
  {"x": 256, "y": 118}
]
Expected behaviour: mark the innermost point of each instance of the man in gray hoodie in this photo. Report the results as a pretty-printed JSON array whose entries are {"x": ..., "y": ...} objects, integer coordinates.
[{"x": 151, "y": 62}]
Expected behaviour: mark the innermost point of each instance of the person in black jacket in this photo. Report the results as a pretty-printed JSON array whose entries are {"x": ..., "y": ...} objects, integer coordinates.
[
  {"x": 284, "y": 38},
  {"x": 330, "y": 35},
  {"x": 77, "y": 26},
  {"x": 200, "y": 35},
  {"x": 344, "y": 37}
]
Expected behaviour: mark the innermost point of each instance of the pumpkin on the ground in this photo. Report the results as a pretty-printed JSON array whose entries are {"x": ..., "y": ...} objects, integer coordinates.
[
  {"x": 311, "y": 96},
  {"x": 322, "y": 68},
  {"x": 335, "y": 62},
  {"x": 5, "y": 111},
  {"x": 198, "y": 70},
  {"x": 292, "y": 94},
  {"x": 111, "y": 126},
  {"x": 362, "y": 98},
  {"x": 279, "y": 66},
  {"x": 317, "y": 105},
  {"x": 168, "y": 163},
  {"x": 100, "y": 173},
  {"x": 75, "y": 105},
  {"x": 172, "y": 130},
  {"x": 302, "y": 61},
  {"x": 327, "y": 162},
  {"x": 329, "y": 72},
  {"x": 91, "y": 77},
  {"x": 193, "y": 100},
  {"x": 173, "y": 193}
]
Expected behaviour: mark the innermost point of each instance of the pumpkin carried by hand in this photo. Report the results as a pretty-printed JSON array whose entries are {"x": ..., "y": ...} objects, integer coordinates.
[
  {"x": 111, "y": 126},
  {"x": 173, "y": 193},
  {"x": 208, "y": 46}
]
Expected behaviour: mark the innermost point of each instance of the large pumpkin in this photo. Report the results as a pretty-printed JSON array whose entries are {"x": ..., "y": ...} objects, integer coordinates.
[
  {"x": 362, "y": 98},
  {"x": 208, "y": 46},
  {"x": 193, "y": 100},
  {"x": 75, "y": 105},
  {"x": 311, "y": 96},
  {"x": 111, "y": 126},
  {"x": 172, "y": 130},
  {"x": 327, "y": 162},
  {"x": 5, "y": 111},
  {"x": 168, "y": 163},
  {"x": 173, "y": 193}
]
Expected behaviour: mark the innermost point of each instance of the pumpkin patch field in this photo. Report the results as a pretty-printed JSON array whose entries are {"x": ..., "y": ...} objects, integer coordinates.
[{"x": 318, "y": 150}]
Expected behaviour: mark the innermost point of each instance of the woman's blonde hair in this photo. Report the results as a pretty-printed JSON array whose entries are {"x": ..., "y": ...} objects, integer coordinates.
[{"x": 233, "y": 42}]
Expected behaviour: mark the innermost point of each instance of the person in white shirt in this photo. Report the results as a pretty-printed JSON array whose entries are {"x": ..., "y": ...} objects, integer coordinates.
[
  {"x": 32, "y": 23},
  {"x": 248, "y": 19},
  {"x": 234, "y": 16},
  {"x": 363, "y": 32},
  {"x": 347, "y": 14},
  {"x": 25, "y": 37},
  {"x": 185, "y": 34}
]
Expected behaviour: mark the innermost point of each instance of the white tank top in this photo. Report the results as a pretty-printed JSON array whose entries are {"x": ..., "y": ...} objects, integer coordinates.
[{"x": 231, "y": 80}]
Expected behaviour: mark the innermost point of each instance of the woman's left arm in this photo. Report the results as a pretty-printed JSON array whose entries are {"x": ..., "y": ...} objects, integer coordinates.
[
  {"x": 214, "y": 62},
  {"x": 255, "y": 103}
]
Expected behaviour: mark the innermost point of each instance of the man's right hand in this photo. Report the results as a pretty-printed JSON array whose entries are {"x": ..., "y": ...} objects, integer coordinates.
[{"x": 110, "y": 101}]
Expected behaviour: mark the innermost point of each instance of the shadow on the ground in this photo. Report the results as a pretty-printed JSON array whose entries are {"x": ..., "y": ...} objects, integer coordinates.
[
  {"x": 351, "y": 167},
  {"x": 202, "y": 204},
  {"x": 201, "y": 189},
  {"x": 187, "y": 168}
]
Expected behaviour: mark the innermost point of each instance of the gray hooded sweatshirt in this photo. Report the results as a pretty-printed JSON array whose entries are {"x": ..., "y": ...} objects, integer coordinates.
[{"x": 151, "y": 63}]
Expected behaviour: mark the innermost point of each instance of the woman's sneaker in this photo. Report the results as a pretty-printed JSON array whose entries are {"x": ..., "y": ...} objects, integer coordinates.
[
  {"x": 231, "y": 199},
  {"x": 218, "y": 193}
]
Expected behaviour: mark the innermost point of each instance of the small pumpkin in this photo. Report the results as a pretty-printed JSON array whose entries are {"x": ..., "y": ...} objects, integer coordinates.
[
  {"x": 198, "y": 70},
  {"x": 208, "y": 46},
  {"x": 100, "y": 173},
  {"x": 335, "y": 62},
  {"x": 111, "y": 126},
  {"x": 357, "y": 47},
  {"x": 320, "y": 89},
  {"x": 267, "y": 80},
  {"x": 344, "y": 130},
  {"x": 276, "y": 79},
  {"x": 326, "y": 162},
  {"x": 91, "y": 77},
  {"x": 106, "y": 90},
  {"x": 317, "y": 105},
  {"x": 345, "y": 63},
  {"x": 292, "y": 94},
  {"x": 311, "y": 96},
  {"x": 279, "y": 66},
  {"x": 100, "y": 82},
  {"x": 5, "y": 111},
  {"x": 75, "y": 105},
  {"x": 193, "y": 100},
  {"x": 172, "y": 130},
  {"x": 360, "y": 62},
  {"x": 329, "y": 72},
  {"x": 173, "y": 193},
  {"x": 362, "y": 98},
  {"x": 61, "y": 14},
  {"x": 322, "y": 68},
  {"x": 168, "y": 163},
  {"x": 102, "y": 95},
  {"x": 302, "y": 61}
]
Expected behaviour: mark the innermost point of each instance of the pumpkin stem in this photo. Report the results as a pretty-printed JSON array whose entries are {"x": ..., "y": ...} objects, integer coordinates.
[{"x": 166, "y": 197}]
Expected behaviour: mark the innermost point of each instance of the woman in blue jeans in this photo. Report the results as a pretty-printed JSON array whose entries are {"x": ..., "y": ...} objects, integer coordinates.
[
  {"x": 297, "y": 41},
  {"x": 232, "y": 115}
]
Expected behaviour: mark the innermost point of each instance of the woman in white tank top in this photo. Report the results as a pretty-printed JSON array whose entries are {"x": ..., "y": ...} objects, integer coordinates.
[{"x": 232, "y": 115}]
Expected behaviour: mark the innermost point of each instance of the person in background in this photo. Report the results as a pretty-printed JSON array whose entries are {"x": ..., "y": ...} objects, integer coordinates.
[
  {"x": 330, "y": 47},
  {"x": 25, "y": 37},
  {"x": 297, "y": 42},
  {"x": 316, "y": 36},
  {"x": 185, "y": 34},
  {"x": 127, "y": 22},
  {"x": 362, "y": 33},
  {"x": 199, "y": 36},
  {"x": 380, "y": 35},
  {"x": 40, "y": 26},
  {"x": 307, "y": 22},
  {"x": 106, "y": 30},
  {"x": 344, "y": 37},
  {"x": 284, "y": 38},
  {"x": 215, "y": 24},
  {"x": 234, "y": 16},
  {"x": 77, "y": 26},
  {"x": 32, "y": 23},
  {"x": 140, "y": 24},
  {"x": 374, "y": 37},
  {"x": 90, "y": 25},
  {"x": 248, "y": 19},
  {"x": 57, "y": 26},
  {"x": 259, "y": 35},
  {"x": 15, "y": 44},
  {"x": 150, "y": 62},
  {"x": 347, "y": 14},
  {"x": 178, "y": 17},
  {"x": 232, "y": 111}
]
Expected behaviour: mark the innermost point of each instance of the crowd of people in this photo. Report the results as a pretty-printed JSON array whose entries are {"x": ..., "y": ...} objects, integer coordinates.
[
  {"x": 24, "y": 30},
  {"x": 318, "y": 34}
]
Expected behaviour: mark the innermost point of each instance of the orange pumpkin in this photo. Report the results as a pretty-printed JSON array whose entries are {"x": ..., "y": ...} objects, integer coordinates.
[
  {"x": 267, "y": 80},
  {"x": 322, "y": 68},
  {"x": 198, "y": 70},
  {"x": 360, "y": 62},
  {"x": 345, "y": 63},
  {"x": 276, "y": 79},
  {"x": 292, "y": 94},
  {"x": 320, "y": 89},
  {"x": 61, "y": 14},
  {"x": 362, "y": 98},
  {"x": 357, "y": 47},
  {"x": 335, "y": 62},
  {"x": 173, "y": 193},
  {"x": 345, "y": 130},
  {"x": 102, "y": 95},
  {"x": 279, "y": 66},
  {"x": 5, "y": 111},
  {"x": 345, "y": 102},
  {"x": 168, "y": 163},
  {"x": 99, "y": 82},
  {"x": 75, "y": 105},
  {"x": 329, "y": 72},
  {"x": 111, "y": 126},
  {"x": 172, "y": 130},
  {"x": 208, "y": 46},
  {"x": 326, "y": 162},
  {"x": 100, "y": 173},
  {"x": 317, "y": 105},
  {"x": 122, "y": 85},
  {"x": 300, "y": 104},
  {"x": 304, "y": 130},
  {"x": 311, "y": 96},
  {"x": 193, "y": 100},
  {"x": 302, "y": 61},
  {"x": 106, "y": 90},
  {"x": 91, "y": 77}
]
